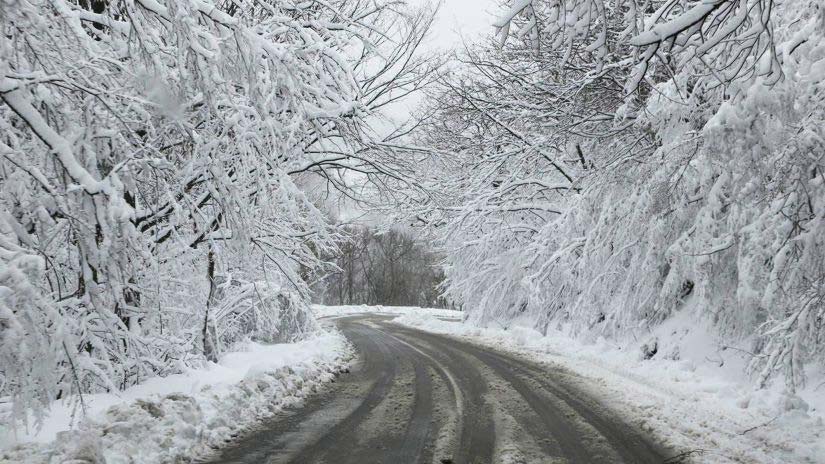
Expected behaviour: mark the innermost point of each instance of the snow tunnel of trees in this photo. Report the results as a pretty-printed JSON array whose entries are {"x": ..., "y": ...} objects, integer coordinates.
[{"x": 167, "y": 170}]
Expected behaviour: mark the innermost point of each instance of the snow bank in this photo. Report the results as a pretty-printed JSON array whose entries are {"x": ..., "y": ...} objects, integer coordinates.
[
  {"x": 178, "y": 417},
  {"x": 697, "y": 400},
  {"x": 334, "y": 311}
]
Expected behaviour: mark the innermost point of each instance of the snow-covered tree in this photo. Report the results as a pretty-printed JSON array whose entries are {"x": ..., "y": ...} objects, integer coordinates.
[
  {"x": 613, "y": 160},
  {"x": 154, "y": 165}
]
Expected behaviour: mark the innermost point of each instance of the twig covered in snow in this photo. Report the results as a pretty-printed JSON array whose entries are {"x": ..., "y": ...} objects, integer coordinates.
[
  {"x": 159, "y": 165},
  {"x": 599, "y": 174}
]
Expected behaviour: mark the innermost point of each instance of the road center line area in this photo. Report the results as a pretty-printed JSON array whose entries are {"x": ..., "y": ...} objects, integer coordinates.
[{"x": 418, "y": 397}]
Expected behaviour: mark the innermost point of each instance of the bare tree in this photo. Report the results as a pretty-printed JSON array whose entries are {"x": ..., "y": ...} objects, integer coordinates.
[{"x": 390, "y": 268}]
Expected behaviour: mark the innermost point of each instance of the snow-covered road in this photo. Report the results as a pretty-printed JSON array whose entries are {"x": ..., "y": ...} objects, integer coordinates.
[{"x": 420, "y": 397}]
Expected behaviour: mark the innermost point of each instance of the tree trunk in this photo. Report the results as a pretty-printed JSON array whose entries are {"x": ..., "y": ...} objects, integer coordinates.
[{"x": 210, "y": 349}]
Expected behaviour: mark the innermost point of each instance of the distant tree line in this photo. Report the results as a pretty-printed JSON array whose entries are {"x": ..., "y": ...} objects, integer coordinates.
[{"x": 391, "y": 268}]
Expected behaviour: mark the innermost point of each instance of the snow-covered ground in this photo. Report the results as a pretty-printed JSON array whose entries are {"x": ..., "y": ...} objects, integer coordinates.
[
  {"x": 177, "y": 417},
  {"x": 698, "y": 399},
  {"x": 692, "y": 394},
  {"x": 345, "y": 310}
]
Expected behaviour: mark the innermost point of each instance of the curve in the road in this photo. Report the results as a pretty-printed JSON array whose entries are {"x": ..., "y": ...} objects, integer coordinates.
[{"x": 417, "y": 397}]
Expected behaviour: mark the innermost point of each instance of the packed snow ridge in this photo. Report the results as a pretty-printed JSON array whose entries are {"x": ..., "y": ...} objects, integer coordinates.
[{"x": 183, "y": 416}]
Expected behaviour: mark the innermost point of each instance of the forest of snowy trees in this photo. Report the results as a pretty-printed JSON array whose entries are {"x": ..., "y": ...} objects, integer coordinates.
[
  {"x": 601, "y": 165},
  {"x": 594, "y": 164},
  {"x": 161, "y": 170}
]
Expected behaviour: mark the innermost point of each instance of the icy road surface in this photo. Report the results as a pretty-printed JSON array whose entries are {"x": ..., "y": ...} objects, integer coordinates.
[{"x": 417, "y": 397}]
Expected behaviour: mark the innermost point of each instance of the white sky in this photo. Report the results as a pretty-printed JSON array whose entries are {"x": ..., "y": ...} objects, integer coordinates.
[
  {"x": 457, "y": 22},
  {"x": 461, "y": 17}
]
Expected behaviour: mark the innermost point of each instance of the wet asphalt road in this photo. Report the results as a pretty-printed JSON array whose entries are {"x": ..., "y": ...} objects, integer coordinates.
[{"x": 416, "y": 397}]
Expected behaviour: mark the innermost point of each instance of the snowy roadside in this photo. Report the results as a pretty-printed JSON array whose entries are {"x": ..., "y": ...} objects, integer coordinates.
[
  {"x": 711, "y": 414},
  {"x": 346, "y": 310},
  {"x": 180, "y": 417}
]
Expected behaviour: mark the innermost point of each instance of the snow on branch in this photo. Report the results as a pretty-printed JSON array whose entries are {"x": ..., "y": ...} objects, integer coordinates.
[
  {"x": 732, "y": 38},
  {"x": 158, "y": 167},
  {"x": 677, "y": 25},
  {"x": 690, "y": 149}
]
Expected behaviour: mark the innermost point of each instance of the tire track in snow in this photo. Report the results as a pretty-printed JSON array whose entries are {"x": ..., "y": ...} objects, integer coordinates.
[
  {"x": 417, "y": 397},
  {"x": 569, "y": 415},
  {"x": 515, "y": 406}
]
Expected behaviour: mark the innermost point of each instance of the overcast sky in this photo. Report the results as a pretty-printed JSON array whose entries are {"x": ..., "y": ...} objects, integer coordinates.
[
  {"x": 461, "y": 17},
  {"x": 458, "y": 21}
]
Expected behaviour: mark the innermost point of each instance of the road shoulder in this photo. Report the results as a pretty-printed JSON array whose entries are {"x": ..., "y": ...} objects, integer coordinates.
[{"x": 183, "y": 416}]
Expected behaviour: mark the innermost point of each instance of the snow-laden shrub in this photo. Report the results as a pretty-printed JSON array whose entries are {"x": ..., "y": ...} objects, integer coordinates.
[
  {"x": 30, "y": 328},
  {"x": 262, "y": 311}
]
